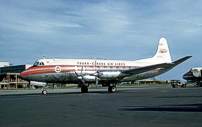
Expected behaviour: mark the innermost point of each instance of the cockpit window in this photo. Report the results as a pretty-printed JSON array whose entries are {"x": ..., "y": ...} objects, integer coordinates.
[
  {"x": 41, "y": 63},
  {"x": 38, "y": 64}
]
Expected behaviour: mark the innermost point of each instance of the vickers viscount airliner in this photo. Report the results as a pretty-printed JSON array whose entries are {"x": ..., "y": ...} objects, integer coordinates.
[{"x": 106, "y": 72}]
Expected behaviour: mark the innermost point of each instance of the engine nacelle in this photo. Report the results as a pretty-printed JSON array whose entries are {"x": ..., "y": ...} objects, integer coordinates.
[
  {"x": 89, "y": 78},
  {"x": 197, "y": 71},
  {"x": 109, "y": 74}
]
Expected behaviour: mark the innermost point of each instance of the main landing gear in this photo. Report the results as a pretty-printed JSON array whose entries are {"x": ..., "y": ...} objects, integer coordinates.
[
  {"x": 84, "y": 89},
  {"x": 44, "y": 92},
  {"x": 112, "y": 89}
]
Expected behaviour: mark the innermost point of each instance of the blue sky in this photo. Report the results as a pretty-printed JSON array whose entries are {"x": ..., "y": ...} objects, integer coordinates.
[{"x": 106, "y": 29}]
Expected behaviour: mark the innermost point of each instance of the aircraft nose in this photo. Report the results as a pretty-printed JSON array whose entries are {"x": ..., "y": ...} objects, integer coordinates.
[
  {"x": 187, "y": 75},
  {"x": 184, "y": 76},
  {"x": 23, "y": 75}
]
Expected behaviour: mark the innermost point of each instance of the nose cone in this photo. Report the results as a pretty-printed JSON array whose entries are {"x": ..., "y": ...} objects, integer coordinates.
[
  {"x": 184, "y": 76},
  {"x": 24, "y": 76},
  {"x": 188, "y": 75}
]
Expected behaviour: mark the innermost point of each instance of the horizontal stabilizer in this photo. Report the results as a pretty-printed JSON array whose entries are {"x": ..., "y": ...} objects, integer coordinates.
[{"x": 177, "y": 62}]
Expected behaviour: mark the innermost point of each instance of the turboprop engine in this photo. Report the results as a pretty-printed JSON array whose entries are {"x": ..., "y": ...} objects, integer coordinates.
[
  {"x": 109, "y": 74},
  {"x": 197, "y": 71},
  {"x": 89, "y": 78}
]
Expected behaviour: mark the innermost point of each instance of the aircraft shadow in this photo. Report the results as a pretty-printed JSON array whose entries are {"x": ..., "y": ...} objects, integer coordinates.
[
  {"x": 167, "y": 97},
  {"x": 166, "y": 108},
  {"x": 58, "y": 93}
]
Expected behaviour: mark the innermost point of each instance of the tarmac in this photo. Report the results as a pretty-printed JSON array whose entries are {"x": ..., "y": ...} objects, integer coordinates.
[{"x": 142, "y": 106}]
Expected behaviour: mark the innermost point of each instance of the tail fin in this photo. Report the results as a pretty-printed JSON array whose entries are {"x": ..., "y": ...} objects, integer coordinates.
[{"x": 163, "y": 54}]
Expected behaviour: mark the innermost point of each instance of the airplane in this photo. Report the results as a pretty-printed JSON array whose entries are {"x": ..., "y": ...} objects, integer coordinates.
[
  {"x": 106, "y": 72},
  {"x": 194, "y": 75}
]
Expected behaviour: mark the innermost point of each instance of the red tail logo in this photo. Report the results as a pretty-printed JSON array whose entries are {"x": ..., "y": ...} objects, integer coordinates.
[{"x": 163, "y": 51}]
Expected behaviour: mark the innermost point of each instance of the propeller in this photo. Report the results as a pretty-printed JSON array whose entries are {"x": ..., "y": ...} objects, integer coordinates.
[
  {"x": 96, "y": 82},
  {"x": 97, "y": 74},
  {"x": 80, "y": 76}
]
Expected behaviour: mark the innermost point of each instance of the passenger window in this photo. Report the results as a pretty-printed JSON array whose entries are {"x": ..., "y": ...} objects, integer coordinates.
[
  {"x": 111, "y": 68},
  {"x": 91, "y": 68}
]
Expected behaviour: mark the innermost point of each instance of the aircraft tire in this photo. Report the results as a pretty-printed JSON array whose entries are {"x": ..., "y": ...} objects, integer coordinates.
[
  {"x": 84, "y": 89},
  {"x": 183, "y": 86},
  {"x": 44, "y": 92},
  {"x": 112, "y": 89}
]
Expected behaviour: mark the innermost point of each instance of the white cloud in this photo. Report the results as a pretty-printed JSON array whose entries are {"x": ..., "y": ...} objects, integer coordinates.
[{"x": 55, "y": 24}]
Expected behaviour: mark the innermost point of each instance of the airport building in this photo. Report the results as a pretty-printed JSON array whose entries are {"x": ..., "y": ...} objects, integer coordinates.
[{"x": 10, "y": 76}]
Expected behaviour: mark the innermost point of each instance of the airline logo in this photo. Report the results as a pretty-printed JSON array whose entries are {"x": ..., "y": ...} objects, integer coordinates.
[
  {"x": 163, "y": 51},
  {"x": 58, "y": 69}
]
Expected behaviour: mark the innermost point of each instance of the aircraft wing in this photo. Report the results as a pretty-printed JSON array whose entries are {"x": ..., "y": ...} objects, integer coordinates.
[
  {"x": 151, "y": 67},
  {"x": 147, "y": 68}
]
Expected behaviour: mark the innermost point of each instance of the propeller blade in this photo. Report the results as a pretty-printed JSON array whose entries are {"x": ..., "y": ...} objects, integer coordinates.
[
  {"x": 82, "y": 81},
  {"x": 96, "y": 82},
  {"x": 76, "y": 74},
  {"x": 100, "y": 74}
]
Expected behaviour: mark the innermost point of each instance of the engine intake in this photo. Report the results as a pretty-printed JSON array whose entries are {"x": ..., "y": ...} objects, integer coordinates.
[{"x": 197, "y": 71}]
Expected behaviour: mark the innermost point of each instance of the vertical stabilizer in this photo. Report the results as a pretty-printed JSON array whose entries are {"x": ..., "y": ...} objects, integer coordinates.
[{"x": 163, "y": 54}]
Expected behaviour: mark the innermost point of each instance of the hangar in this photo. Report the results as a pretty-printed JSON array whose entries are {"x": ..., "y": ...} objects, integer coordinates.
[{"x": 10, "y": 76}]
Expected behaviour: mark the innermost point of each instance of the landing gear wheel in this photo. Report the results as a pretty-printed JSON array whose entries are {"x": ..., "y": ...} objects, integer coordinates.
[
  {"x": 44, "y": 92},
  {"x": 112, "y": 89},
  {"x": 183, "y": 86},
  {"x": 175, "y": 86},
  {"x": 84, "y": 89}
]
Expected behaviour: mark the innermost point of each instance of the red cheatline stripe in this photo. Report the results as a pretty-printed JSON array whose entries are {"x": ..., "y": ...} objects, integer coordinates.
[{"x": 64, "y": 68}]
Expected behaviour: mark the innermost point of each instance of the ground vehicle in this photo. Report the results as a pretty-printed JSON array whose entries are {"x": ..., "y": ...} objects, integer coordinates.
[{"x": 177, "y": 83}]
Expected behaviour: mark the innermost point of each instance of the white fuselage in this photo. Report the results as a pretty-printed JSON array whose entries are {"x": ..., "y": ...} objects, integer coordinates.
[{"x": 63, "y": 70}]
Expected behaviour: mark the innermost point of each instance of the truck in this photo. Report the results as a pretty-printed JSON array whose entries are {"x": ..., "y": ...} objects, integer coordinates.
[{"x": 177, "y": 83}]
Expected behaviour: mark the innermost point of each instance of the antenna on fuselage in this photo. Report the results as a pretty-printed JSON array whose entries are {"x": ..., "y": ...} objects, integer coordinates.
[{"x": 44, "y": 57}]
